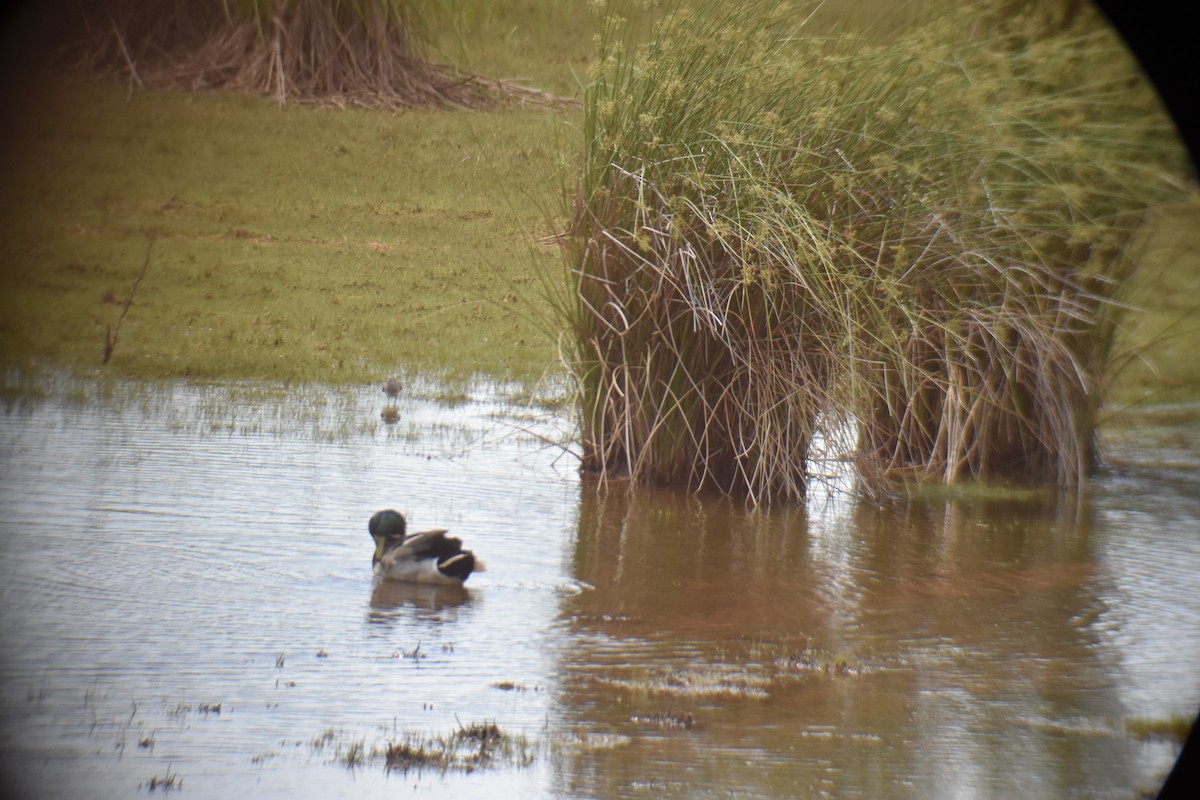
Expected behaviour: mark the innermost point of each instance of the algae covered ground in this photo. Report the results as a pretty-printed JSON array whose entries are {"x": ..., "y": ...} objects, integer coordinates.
[{"x": 331, "y": 245}]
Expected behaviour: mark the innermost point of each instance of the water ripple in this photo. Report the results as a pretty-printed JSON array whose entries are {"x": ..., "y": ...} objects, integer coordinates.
[{"x": 191, "y": 568}]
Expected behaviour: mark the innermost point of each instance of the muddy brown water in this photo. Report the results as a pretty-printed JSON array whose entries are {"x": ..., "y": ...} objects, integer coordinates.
[{"x": 186, "y": 593}]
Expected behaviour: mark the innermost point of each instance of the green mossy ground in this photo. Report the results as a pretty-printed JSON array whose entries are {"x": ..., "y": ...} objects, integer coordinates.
[{"x": 296, "y": 244}]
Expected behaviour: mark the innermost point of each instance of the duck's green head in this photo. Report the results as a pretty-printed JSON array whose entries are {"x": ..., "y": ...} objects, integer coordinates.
[{"x": 385, "y": 525}]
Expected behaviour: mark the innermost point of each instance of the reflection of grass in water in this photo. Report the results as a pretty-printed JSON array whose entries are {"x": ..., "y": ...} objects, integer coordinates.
[
  {"x": 667, "y": 720},
  {"x": 1174, "y": 728},
  {"x": 786, "y": 659},
  {"x": 264, "y": 408},
  {"x": 180, "y": 710},
  {"x": 763, "y": 667},
  {"x": 167, "y": 782},
  {"x": 323, "y": 739},
  {"x": 15, "y": 395},
  {"x": 711, "y": 681},
  {"x": 1007, "y": 491},
  {"x": 513, "y": 686},
  {"x": 354, "y": 754},
  {"x": 818, "y": 661}
]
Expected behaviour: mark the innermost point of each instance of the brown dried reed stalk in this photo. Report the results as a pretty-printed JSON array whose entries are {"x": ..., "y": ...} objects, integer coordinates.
[{"x": 327, "y": 52}]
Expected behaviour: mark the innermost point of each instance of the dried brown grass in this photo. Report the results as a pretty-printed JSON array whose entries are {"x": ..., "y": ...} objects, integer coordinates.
[{"x": 370, "y": 53}]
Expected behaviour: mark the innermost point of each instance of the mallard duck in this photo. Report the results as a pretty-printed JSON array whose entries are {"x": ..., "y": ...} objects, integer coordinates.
[{"x": 424, "y": 557}]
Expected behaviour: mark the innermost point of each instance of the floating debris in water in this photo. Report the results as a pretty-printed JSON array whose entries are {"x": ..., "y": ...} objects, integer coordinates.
[
  {"x": 512, "y": 686},
  {"x": 603, "y": 618},
  {"x": 666, "y": 720},
  {"x": 415, "y": 654},
  {"x": 816, "y": 661},
  {"x": 600, "y": 741},
  {"x": 572, "y": 587}
]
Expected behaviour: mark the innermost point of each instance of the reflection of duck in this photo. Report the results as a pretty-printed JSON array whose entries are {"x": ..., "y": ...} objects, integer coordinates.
[
  {"x": 426, "y": 601},
  {"x": 425, "y": 557}
]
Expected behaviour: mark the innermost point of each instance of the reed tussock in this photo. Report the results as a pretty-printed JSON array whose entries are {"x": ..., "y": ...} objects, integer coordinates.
[
  {"x": 915, "y": 243},
  {"x": 371, "y": 53}
]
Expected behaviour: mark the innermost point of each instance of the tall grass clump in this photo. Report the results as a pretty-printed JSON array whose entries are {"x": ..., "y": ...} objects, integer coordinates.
[
  {"x": 357, "y": 52},
  {"x": 914, "y": 241}
]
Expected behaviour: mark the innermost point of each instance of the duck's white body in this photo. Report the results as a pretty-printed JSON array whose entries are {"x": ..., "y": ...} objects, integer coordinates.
[{"x": 409, "y": 560}]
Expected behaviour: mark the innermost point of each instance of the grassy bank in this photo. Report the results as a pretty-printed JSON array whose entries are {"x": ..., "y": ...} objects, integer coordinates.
[
  {"x": 296, "y": 244},
  {"x": 311, "y": 244}
]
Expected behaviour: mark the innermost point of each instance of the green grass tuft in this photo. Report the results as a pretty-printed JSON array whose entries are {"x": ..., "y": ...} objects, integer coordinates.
[
  {"x": 476, "y": 746},
  {"x": 919, "y": 240}
]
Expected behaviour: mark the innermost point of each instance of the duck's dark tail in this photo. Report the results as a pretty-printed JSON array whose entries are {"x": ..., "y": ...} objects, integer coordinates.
[{"x": 460, "y": 566}]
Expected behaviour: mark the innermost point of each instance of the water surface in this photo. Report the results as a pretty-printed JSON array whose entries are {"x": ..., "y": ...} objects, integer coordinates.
[{"x": 186, "y": 592}]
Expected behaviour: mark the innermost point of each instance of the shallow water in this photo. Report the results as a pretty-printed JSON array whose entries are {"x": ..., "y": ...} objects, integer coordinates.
[{"x": 166, "y": 552}]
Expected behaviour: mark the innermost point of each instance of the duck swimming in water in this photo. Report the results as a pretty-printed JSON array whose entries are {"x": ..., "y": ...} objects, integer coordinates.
[{"x": 424, "y": 557}]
